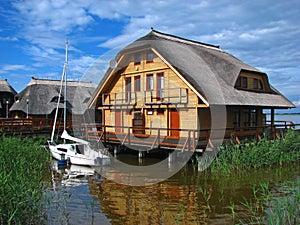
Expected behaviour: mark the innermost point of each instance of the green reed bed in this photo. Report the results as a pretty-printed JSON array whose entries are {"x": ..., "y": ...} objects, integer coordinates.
[
  {"x": 268, "y": 208},
  {"x": 233, "y": 157},
  {"x": 23, "y": 169}
]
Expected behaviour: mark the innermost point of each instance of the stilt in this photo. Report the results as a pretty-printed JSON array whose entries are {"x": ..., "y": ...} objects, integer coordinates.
[
  {"x": 172, "y": 159},
  {"x": 141, "y": 155},
  {"x": 115, "y": 150}
]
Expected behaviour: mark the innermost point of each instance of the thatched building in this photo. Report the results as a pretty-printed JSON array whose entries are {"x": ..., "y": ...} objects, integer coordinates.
[{"x": 7, "y": 93}]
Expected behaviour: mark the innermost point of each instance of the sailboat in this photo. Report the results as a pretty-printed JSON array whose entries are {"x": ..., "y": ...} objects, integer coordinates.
[{"x": 76, "y": 151}]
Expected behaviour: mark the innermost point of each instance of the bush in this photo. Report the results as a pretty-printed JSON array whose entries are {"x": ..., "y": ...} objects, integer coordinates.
[
  {"x": 255, "y": 154},
  {"x": 24, "y": 168}
]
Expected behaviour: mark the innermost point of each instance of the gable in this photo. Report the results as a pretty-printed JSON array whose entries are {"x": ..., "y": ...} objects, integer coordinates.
[{"x": 144, "y": 73}]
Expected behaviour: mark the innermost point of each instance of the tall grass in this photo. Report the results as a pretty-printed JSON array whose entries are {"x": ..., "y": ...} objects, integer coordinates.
[
  {"x": 24, "y": 166},
  {"x": 266, "y": 208},
  {"x": 232, "y": 157}
]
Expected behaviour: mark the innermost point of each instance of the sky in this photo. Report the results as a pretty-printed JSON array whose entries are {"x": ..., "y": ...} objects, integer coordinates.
[{"x": 264, "y": 34}]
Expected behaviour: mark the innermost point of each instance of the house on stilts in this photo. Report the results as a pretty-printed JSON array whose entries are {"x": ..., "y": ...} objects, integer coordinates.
[
  {"x": 38, "y": 101},
  {"x": 167, "y": 91},
  {"x": 7, "y": 94}
]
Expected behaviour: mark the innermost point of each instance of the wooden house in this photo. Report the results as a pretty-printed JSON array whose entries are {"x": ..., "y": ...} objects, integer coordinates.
[
  {"x": 38, "y": 100},
  {"x": 167, "y": 86},
  {"x": 7, "y": 94}
]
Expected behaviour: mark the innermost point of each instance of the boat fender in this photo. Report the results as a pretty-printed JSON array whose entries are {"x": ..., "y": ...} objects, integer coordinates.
[{"x": 69, "y": 161}]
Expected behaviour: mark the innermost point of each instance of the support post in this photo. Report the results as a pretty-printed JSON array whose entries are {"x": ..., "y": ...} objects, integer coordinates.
[
  {"x": 115, "y": 150},
  {"x": 273, "y": 123}
]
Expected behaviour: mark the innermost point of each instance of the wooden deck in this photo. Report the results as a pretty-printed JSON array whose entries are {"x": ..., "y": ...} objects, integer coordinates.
[
  {"x": 190, "y": 140},
  {"x": 27, "y": 127},
  {"x": 149, "y": 138}
]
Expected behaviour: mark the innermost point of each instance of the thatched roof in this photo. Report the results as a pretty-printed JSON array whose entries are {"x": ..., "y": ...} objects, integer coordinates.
[
  {"x": 5, "y": 87},
  {"x": 42, "y": 96},
  {"x": 210, "y": 70}
]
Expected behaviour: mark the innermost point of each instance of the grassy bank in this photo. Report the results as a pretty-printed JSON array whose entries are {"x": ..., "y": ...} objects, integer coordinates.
[
  {"x": 24, "y": 168},
  {"x": 233, "y": 157}
]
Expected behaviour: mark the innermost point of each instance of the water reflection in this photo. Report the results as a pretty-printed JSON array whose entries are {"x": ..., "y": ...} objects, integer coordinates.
[
  {"x": 80, "y": 195},
  {"x": 189, "y": 197}
]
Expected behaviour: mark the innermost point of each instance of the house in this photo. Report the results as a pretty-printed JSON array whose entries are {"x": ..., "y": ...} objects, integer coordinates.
[
  {"x": 38, "y": 100},
  {"x": 7, "y": 94},
  {"x": 167, "y": 86}
]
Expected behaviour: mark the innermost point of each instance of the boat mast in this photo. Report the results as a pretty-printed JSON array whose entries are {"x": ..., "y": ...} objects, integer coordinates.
[
  {"x": 65, "y": 91},
  {"x": 63, "y": 81}
]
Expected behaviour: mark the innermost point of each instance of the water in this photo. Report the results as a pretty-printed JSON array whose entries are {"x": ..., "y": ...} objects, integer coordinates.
[
  {"x": 295, "y": 118},
  {"x": 81, "y": 196},
  {"x": 189, "y": 197}
]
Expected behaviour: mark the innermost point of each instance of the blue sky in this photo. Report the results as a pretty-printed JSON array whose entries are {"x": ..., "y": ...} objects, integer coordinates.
[{"x": 264, "y": 34}]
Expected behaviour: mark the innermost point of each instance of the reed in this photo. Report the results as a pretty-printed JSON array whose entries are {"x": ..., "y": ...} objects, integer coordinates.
[
  {"x": 234, "y": 157},
  {"x": 266, "y": 208},
  {"x": 24, "y": 168}
]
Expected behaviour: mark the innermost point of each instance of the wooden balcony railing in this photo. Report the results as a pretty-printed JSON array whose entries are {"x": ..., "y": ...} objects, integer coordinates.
[{"x": 163, "y": 96}]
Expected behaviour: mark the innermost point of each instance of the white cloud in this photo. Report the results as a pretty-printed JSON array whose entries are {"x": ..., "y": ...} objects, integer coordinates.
[
  {"x": 264, "y": 34},
  {"x": 11, "y": 67},
  {"x": 8, "y": 39},
  {"x": 297, "y": 103}
]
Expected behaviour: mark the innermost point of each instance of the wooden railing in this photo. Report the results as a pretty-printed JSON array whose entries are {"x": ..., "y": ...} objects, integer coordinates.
[
  {"x": 162, "y": 96},
  {"x": 189, "y": 139},
  {"x": 24, "y": 126}
]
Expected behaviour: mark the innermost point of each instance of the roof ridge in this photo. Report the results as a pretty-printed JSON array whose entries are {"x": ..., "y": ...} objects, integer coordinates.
[
  {"x": 184, "y": 40},
  {"x": 34, "y": 81}
]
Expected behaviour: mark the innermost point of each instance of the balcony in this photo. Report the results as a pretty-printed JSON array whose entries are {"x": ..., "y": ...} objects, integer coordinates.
[
  {"x": 153, "y": 97},
  {"x": 119, "y": 99},
  {"x": 166, "y": 96}
]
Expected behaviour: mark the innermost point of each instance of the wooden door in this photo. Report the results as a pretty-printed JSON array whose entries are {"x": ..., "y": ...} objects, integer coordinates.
[
  {"x": 174, "y": 123},
  {"x": 138, "y": 123},
  {"x": 118, "y": 121}
]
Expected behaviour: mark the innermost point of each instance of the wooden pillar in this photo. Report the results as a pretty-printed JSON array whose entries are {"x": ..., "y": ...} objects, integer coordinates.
[
  {"x": 272, "y": 117},
  {"x": 273, "y": 131}
]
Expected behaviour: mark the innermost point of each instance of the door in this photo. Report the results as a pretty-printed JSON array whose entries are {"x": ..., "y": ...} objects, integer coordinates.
[
  {"x": 118, "y": 122},
  {"x": 138, "y": 123},
  {"x": 174, "y": 123}
]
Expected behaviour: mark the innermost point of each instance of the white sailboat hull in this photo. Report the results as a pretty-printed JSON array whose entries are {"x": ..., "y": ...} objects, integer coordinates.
[{"x": 79, "y": 154}]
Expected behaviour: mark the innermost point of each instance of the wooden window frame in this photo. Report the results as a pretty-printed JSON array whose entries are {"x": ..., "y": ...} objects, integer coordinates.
[
  {"x": 127, "y": 89},
  {"x": 137, "y": 83},
  {"x": 244, "y": 82},
  {"x": 149, "y": 59},
  {"x": 148, "y": 87},
  {"x": 137, "y": 59},
  {"x": 238, "y": 82},
  {"x": 160, "y": 86}
]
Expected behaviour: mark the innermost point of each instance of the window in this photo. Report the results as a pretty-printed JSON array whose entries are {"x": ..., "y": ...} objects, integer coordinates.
[
  {"x": 137, "y": 83},
  {"x": 160, "y": 112},
  {"x": 253, "y": 121},
  {"x": 127, "y": 89},
  {"x": 250, "y": 119},
  {"x": 246, "y": 118},
  {"x": 150, "y": 57},
  {"x": 244, "y": 82},
  {"x": 160, "y": 86},
  {"x": 236, "y": 118},
  {"x": 238, "y": 83},
  {"x": 257, "y": 84},
  {"x": 149, "y": 82},
  {"x": 137, "y": 59}
]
